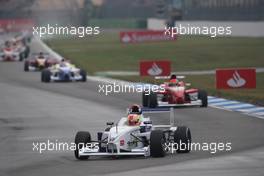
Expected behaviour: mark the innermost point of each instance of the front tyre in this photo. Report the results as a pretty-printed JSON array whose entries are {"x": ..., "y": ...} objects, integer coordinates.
[
  {"x": 81, "y": 139},
  {"x": 157, "y": 142},
  {"x": 202, "y": 95},
  {"x": 84, "y": 75},
  {"x": 26, "y": 66},
  {"x": 183, "y": 139},
  {"x": 45, "y": 76}
]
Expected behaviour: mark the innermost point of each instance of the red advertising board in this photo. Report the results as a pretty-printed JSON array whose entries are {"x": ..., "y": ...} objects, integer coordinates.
[
  {"x": 155, "y": 68},
  {"x": 236, "y": 78},
  {"x": 16, "y": 25},
  {"x": 144, "y": 36}
]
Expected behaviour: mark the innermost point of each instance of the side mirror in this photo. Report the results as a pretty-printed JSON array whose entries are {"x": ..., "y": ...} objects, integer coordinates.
[{"x": 110, "y": 123}]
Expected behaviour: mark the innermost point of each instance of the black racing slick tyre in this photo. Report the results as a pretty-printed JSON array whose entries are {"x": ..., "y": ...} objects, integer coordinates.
[
  {"x": 152, "y": 100},
  {"x": 27, "y": 51},
  {"x": 26, "y": 66},
  {"x": 182, "y": 139},
  {"x": 202, "y": 95},
  {"x": 145, "y": 99},
  {"x": 81, "y": 139},
  {"x": 45, "y": 76},
  {"x": 157, "y": 142},
  {"x": 21, "y": 57},
  {"x": 84, "y": 75}
]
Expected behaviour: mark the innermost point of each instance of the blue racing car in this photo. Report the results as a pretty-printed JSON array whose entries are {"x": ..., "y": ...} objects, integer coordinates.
[{"x": 63, "y": 72}]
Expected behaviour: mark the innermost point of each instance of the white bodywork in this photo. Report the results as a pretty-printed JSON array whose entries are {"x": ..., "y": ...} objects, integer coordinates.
[{"x": 122, "y": 139}]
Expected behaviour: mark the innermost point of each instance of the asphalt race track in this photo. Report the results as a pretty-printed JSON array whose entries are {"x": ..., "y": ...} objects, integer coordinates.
[{"x": 31, "y": 111}]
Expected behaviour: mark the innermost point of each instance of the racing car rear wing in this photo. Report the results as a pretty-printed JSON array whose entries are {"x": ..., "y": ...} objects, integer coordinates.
[
  {"x": 45, "y": 54},
  {"x": 168, "y": 77},
  {"x": 161, "y": 110}
]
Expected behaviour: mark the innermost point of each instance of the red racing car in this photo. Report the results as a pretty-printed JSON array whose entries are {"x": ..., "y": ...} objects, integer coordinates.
[
  {"x": 173, "y": 94},
  {"x": 39, "y": 61}
]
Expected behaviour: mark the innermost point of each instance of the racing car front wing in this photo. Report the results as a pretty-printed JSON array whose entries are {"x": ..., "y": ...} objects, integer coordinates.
[
  {"x": 192, "y": 103},
  {"x": 71, "y": 78},
  {"x": 95, "y": 152}
]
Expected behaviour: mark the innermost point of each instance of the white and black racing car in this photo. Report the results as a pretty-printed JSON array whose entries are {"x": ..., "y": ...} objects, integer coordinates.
[{"x": 143, "y": 139}]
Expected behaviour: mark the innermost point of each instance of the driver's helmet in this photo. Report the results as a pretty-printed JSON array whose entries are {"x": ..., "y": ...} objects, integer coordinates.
[
  {"x": 41, "y": 55},
  {"x": 134, "y": 115},
  {"x": 7, "y": 44},
  {"x": 63, "y": 64},
  {"x": 135, "y": 109},
  {"x": 173, "y": 80}
]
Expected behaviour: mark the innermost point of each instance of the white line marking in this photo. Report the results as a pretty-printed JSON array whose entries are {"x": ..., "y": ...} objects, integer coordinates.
[
  {"x": 217, "y": 100},
  {"x": 259, "y": 113},
  {"x": 225, "y": 103},
  {"x": 251, "y": 110},
  {"x": 238, "y": 106}
]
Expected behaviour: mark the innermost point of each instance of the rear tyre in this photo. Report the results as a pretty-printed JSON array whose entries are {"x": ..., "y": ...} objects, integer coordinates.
[
  {"x": 26, "y": 66},
  {"x": 152, "y": 100},
  {"x": 202, "y": 95},
  {"x": 84, "y": 75},
  {"x": 157, "y": 142},
  {"x": 27, "y": 51},
  {"x": 45, "y": 76},
  {"x": 81, "y": 139},
  {"x": 21, "y": 57},
  {"x": 183, "y": 139},
  {"x": 145, "y": 99}
]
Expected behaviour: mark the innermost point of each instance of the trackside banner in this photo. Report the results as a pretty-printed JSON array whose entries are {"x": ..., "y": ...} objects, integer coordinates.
[
  {"x": 16, "y": 25},
  {"x": 155, "y": 68},
  {"x": 236, "y": 78},
  {"x": 144, "y": 36}
]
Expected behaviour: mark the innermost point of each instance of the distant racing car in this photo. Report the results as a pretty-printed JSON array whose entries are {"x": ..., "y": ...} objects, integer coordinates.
[
  {"x": 8, "y": 53},
  {"x": 174, "y": 93},
  {"x": 39, "y": 61},
  {"x": 21, "y": 46},
  {"x": 64, "y": 72},
  {"x": 134, "y": 135},
  {"x": 14, "y": 50}
]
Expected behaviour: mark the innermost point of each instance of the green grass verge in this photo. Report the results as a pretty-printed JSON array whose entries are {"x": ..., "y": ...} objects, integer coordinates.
[
  {"x": 105, "y": 52},
  {"x": 118, "y": 23}
]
